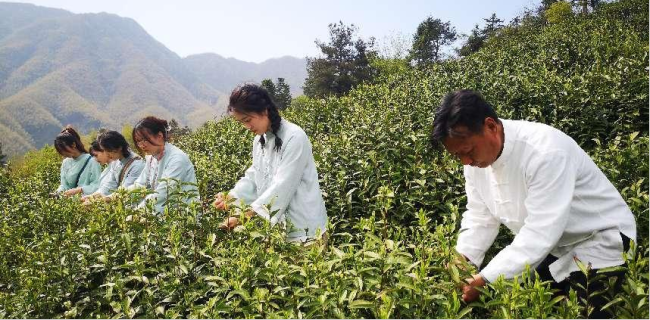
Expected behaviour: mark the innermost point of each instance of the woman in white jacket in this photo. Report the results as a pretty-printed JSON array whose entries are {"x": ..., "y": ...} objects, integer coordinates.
[{"x": 282, "y": 184}]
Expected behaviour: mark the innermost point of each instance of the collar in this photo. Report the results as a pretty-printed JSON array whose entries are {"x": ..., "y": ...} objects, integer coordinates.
[
  {"x": 126, "y": 159},
  {"x": 80, "y": 157},
  {"x": 269, "y": 134},
  {"x": 508, "y": 142},
  {"x": 159, "y": 156}
]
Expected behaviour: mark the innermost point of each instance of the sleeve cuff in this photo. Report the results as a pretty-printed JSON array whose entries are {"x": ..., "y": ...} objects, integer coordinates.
[
  {"x": 489, "y": 274},
  {"x": 474, "y": 256}
]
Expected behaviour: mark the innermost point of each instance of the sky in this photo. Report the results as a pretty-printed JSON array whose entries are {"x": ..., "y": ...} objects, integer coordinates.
[{"x": 257, "y": 30}]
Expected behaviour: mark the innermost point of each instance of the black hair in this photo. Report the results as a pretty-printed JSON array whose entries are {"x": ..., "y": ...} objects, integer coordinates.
[
  {"x": 460, "y": 108},
  {"x": 64, "y": 140},
  {"x": 113, "y": 141},
  {"x": 94, "y": 147},
  {"x": 252, "y": 98},
  {"x": 149, "y": 126}
]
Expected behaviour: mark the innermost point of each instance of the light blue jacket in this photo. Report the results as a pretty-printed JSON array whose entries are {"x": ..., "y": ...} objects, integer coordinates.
[
  {"x": 174, "y": 164},
  {"x": 89, "y": 179},
  {"x": 109, "y": 183}
]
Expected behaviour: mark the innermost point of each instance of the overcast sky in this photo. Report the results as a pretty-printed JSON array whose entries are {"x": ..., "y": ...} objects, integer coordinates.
[{"x": 256, "y": 30}]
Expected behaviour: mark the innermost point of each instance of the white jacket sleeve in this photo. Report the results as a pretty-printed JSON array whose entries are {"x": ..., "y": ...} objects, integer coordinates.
[
  {"x": 478, "y": 228},
  {"x": 551, "y": 182},
  {"x": 283, "y": 185}
]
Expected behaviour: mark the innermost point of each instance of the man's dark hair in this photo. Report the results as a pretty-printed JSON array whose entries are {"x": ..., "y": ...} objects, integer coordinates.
[{"x": 460, "y": 108}]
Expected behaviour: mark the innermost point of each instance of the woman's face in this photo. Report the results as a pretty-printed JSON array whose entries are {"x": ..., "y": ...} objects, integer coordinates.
[
  {"x": 71, "y": 152},
  {"x": 114, "y": 155},
  {"x": 258, "y": 123},
  {"x": 148, "y": 143},
  {"x": 101, "y": 157}
]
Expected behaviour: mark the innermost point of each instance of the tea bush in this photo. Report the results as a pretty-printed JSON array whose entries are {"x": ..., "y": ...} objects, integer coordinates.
[{"x": 394, "y": 203}]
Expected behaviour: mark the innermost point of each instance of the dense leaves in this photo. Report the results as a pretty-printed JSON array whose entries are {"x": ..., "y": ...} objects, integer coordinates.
[
  {"x": 394, "y": 203},
  {"x": 344, "y": 63}
]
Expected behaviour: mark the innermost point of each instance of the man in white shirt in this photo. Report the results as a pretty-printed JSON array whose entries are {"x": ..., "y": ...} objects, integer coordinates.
[{"x": 540, "y": 184}]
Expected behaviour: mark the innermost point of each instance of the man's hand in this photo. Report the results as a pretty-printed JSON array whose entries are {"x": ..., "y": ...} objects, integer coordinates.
[{"x": 470, "y": 293}]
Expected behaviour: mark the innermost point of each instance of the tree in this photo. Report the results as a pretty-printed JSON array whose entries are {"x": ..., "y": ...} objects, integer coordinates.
[
  {"x": 584, "y": 5},
  {"x": 558, "y": 12},
  {"x": 270, "y": 87},
  {"x": 492, "y": 25},
  {"x": 175, "y": 131},
  {"x": 431, "y": 36},
  {"x": 283, "y": 94},
  {"x": 344, "y": 63},
  {"x": 477, "y": 38},
  {"x": 547, "y": 4},
  {"x": 2, "y": 156},
  {"x": 474, "y": 42},
  {"x": 280, "y": 92}
]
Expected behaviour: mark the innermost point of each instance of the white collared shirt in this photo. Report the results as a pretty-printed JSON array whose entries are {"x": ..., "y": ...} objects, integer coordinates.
[
  {"x": 287, "y": 181},
  {"x": 552, "y": 196}
]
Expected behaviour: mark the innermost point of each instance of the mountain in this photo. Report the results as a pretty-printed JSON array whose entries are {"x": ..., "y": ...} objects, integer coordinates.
[
  {"x": 102, "y": 70},
  {"x": 225, "y": 73}
]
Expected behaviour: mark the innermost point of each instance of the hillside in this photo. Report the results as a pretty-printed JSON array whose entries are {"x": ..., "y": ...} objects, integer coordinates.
[
  {"x": 102, "y": 70},
  {"x": 224, "y": 74}
]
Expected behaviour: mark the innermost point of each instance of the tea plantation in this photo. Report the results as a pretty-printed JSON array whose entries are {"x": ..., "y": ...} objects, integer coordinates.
[{"x": 394, "y": 203}]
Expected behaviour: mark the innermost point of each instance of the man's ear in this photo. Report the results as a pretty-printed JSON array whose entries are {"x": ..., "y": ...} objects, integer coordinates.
[{"x": 491, "y": 124}]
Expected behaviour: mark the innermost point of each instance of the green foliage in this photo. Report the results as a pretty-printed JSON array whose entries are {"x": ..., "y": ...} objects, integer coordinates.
[
  {"x": 394, "y": 204},
  {"x": 2, "y": 157},
  {"x": 280, "y": 92},
  {"x": 175, "y": 131},
  {"x": 429, "y": 39},
  {"x": 270, "y": 87},
  {"x": 283, "y": 94},
  {"x": 345, "y": 63},
  {"x": 477, "y": 37},
  {"x": 558, "y": 12},
  {"x": 492, "y": 25},
  {"x": 474, "y": 42}
]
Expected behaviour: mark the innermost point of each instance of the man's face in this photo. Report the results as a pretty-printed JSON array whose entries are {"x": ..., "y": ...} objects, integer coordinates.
[{"x": 476, "y": 149}]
